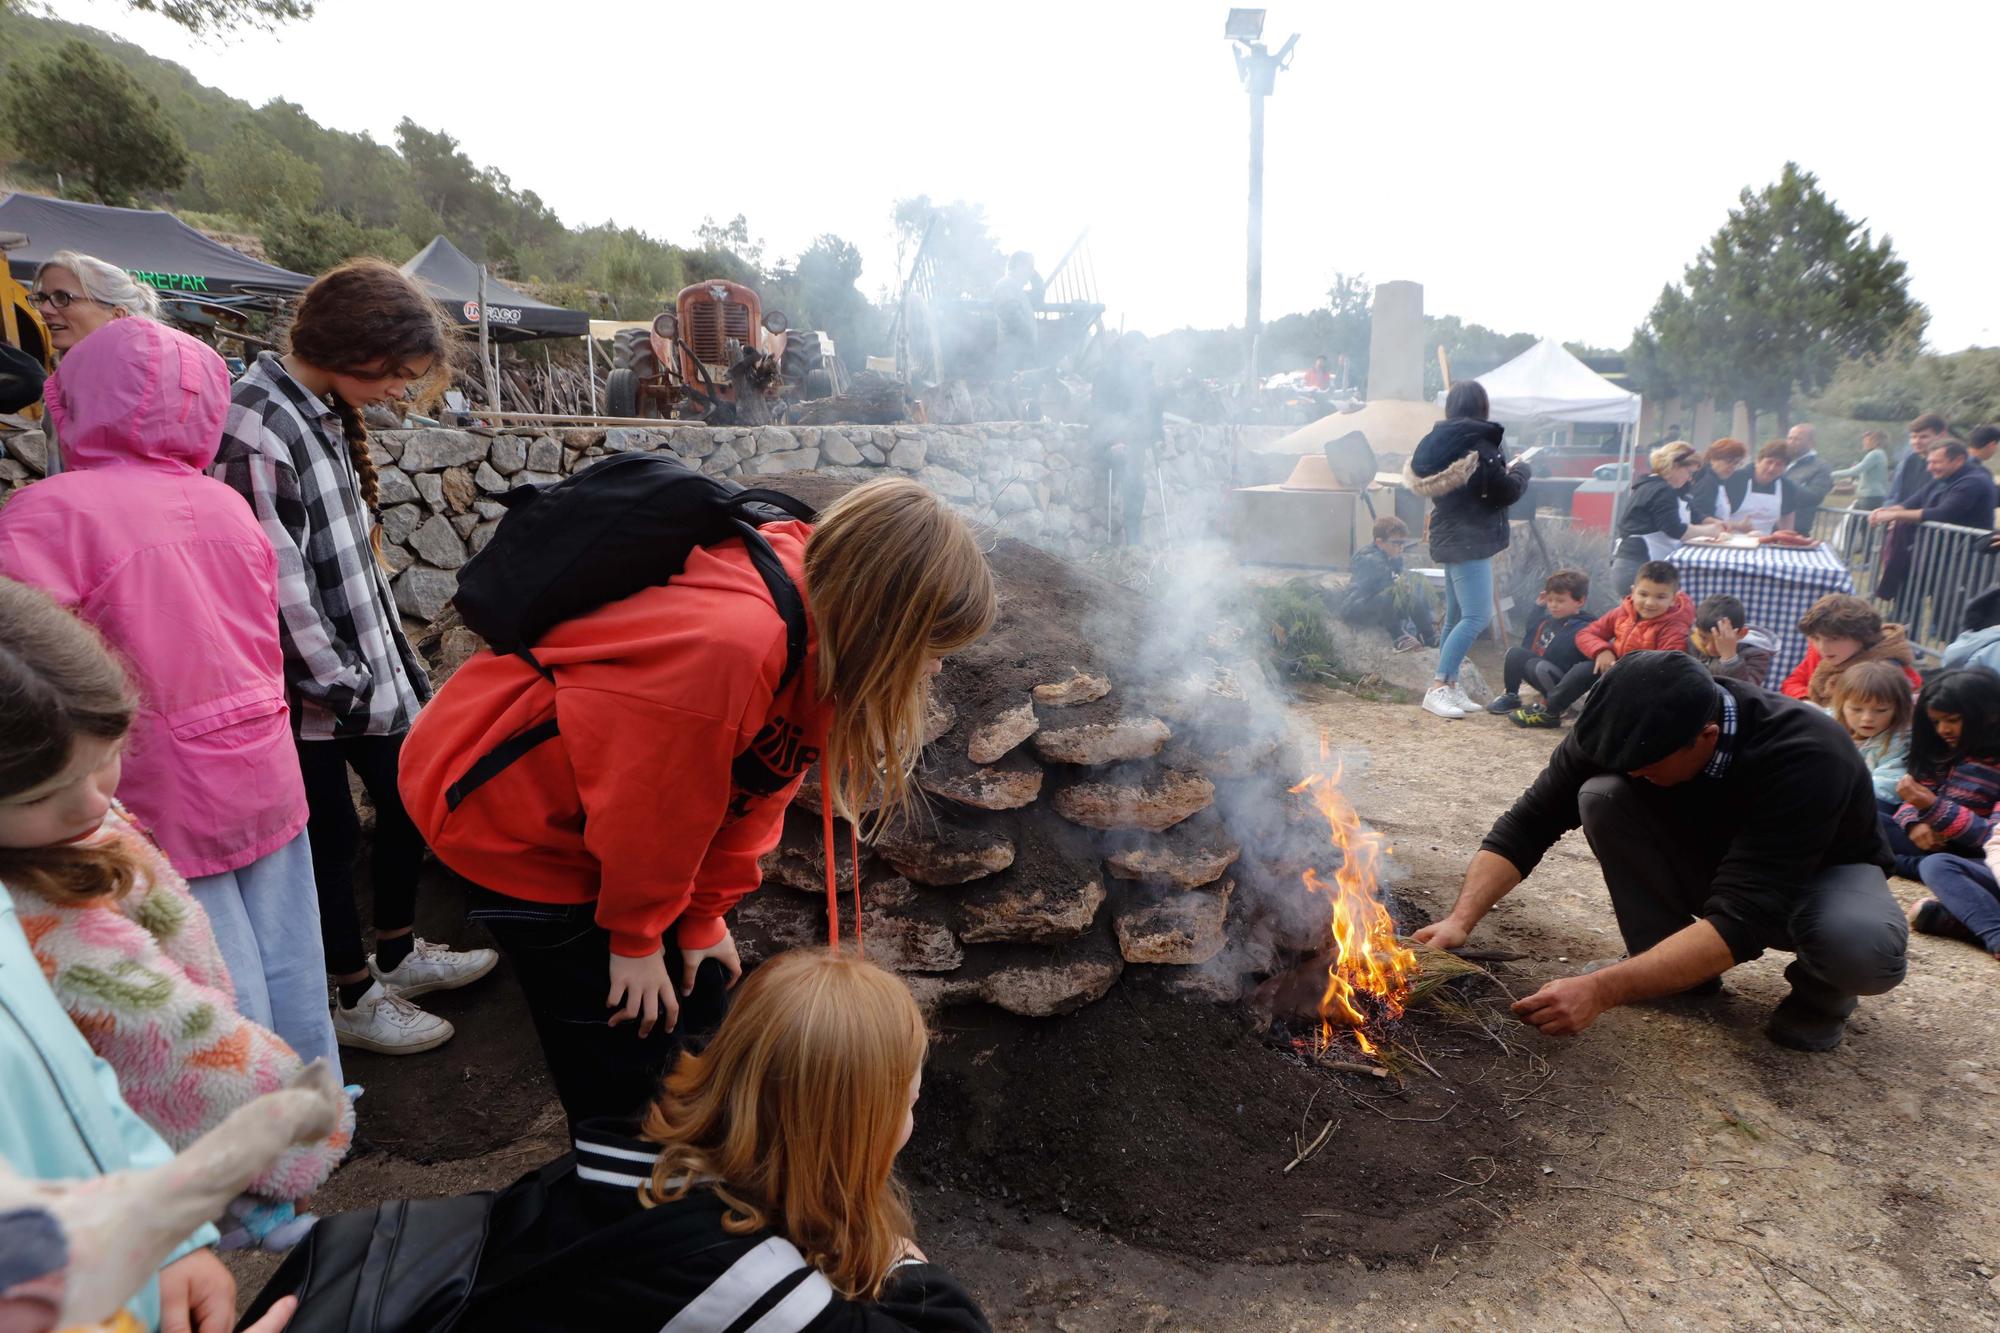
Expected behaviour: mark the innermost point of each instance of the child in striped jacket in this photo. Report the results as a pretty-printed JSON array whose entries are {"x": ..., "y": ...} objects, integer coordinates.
[
  {"x": 1954, "y": 779},
  {"x": 126, "y": 948}
]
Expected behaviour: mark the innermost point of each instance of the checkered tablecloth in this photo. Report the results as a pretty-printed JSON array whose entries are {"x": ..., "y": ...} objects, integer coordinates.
[{"x": 1776, "y": 586}]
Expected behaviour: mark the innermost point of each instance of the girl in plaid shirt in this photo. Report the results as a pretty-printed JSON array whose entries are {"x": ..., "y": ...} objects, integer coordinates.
[{"x": 294, "y": 445}]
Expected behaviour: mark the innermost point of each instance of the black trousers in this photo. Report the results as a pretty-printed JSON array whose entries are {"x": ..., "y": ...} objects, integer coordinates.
[
  {"x": 1845, "y": 927},
  {"x": 1382, "y": 612},
  {"x": 335, "y": 830},
  {"x": 1561, "y": 688},
  {"x": 563, "y": 960}
]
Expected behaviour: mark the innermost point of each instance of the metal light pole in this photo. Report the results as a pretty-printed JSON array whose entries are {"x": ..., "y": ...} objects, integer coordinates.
[{"x": 1258, "y": 68}]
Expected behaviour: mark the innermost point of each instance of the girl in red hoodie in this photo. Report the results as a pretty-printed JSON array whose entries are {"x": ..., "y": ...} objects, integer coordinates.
[{"x": 608, "y": 855}]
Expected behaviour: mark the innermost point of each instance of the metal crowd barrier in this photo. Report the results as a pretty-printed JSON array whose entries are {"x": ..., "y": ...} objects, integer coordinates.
[{"x": 1949, "y": 566}]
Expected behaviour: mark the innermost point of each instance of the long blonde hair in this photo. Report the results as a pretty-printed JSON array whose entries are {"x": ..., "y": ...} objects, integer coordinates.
[
  {"x": 894, "y": 578},
  {"x": 794, "y": 1112}
]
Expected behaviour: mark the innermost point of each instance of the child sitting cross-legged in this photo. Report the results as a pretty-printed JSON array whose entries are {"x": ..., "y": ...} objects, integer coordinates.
[
  {"x": 1656, "y": 614},
  {"x": 1730, "y": 649},
  {"x": 1842, "y": 631},
  {"x": 1873, "y": 702},
  {"x": 1547, "y": 658},
  {"x": 1954, "y": 778},
  {"x": 1379, "y": 593},
  {"x": 125, "y": 947}
]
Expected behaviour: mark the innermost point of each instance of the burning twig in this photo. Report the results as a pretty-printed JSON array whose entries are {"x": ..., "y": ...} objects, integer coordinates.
[
  {"x": 1311, "y": 1148},
  {"x": 1351, "y": 1067},
  {"x": 1486, "y": 955}
]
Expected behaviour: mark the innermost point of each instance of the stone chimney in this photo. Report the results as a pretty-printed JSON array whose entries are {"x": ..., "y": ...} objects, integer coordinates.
[{"x": 1396, "y": 343}]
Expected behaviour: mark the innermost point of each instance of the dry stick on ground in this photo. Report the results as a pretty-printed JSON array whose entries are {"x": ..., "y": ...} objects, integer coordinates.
[
  {"x": 1571, "y": 1261},
  {"x": 1314, "y": 1147},
  {"x": 1407, "y": 1119},
  {"x": 1471, "y": 1184},
  {"x": 1352, "y": 1067}
]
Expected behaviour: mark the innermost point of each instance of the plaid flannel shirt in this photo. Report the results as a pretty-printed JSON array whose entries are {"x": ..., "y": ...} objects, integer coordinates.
[{"x": 349, "y": 667}]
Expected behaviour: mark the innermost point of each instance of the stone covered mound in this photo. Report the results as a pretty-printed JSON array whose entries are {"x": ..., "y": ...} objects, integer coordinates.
[{"x": 1091, "y": 792}]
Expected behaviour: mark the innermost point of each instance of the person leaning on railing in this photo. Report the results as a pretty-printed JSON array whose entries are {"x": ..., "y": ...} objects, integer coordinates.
[{"x": 1959, "y": 493}]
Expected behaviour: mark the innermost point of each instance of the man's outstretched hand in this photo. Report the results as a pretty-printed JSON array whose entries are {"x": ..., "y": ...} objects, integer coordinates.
[
  {"x": 1441, "y": 935},
  {"x": 1563, "y": 1007}
]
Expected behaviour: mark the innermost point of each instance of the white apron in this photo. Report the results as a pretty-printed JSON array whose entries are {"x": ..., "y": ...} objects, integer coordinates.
[{"x": 1761, "y": 508}]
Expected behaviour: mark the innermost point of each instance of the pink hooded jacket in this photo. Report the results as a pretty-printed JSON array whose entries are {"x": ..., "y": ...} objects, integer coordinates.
[{"x": 172, "y": 568}]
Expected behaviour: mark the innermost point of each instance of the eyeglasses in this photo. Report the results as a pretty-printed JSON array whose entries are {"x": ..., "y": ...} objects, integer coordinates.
[{"x": 61, "y": 300}]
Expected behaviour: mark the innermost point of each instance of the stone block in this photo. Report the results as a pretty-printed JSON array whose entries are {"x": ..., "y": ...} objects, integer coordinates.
[
  {"x": 775, "y": 440},
  {"x": 490, "y": 509},
  {"x": 463, "y": 524},
  {"x": 1014, "y": 498},
  {"x": 489, "y": 481},
  {"x": 396, "y": 558},
  {"x": 430, "y": 485},
  {"x": 399, "y": 521},
  {"x": 1006, "y": 787},
  {"x": 935, "y": 853},
  {"x": 423, "y": 593},
  {"x": 904, "y": 933},
  {"x": 533, "y": 477},
  {"x": 480, "y": 536},
  {"x": 794, "y": 460},
  {"x": 838, "y": 449},
  {"x": 873, "y": 455},
  {"x": 1186, "y": 862},
  {"x": 508, "y": 455},
  {"x": 996, "y": 735},
  {"x": 951, "y": 485},
  {"x": 692, "y": 442},
  {"x": 395, "y": 487},
  {"x": 1080, "y": 688},
  {"x": 434, "y": 449},
  {"x": 1103, "y": 742},
  {"x": 545, "y": 455},
  {"x": 31, "y": 447},
  {"x": 628, "y": 440},
  {"x": 436, "y": 543},
  {"x": 1182, "y": 927},
  {"x": 908, "y": 453},
  {"x": 1156, "y": 804},
  {"x": 1011, "y": 911},
  {"x": 459, "y": 489}
]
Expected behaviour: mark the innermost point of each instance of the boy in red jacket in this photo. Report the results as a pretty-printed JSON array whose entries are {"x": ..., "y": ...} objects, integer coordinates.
[{"x": 1656, "y": 614}]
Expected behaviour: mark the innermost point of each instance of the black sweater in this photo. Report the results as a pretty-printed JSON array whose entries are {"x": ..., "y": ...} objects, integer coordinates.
[
  {"x": 1653, "y": 506},
  {"x": 1459, "y": 468},
  {"x": 1555, "y": 640},
  {"x": 571, "y": 1248},
  {"x": 1795, "y": 799}
]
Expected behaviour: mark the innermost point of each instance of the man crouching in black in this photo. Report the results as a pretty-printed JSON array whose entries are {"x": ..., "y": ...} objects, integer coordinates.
[{"x": 1727, "y": 820}]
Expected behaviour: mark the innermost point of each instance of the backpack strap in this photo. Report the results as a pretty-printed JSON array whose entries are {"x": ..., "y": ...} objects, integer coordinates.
[
  {"x": 496, "y": 760},
  {"x": 784, "y": 594}
]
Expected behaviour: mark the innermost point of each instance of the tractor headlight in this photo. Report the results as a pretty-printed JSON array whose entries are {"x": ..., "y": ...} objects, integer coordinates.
[
  {"x": 667, "y": 325},
  {"x": 775, "y": 321}
]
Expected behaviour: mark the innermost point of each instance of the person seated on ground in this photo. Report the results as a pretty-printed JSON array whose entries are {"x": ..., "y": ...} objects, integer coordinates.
[
  {"x": 1379, "y": 593},
  {"x": 1658, "y": 513},
  {"x": 1727, "y": 821},
  {"x": 1842, "y": 631},
  {"x": 1874, "y": 703},
  {"x": 1656, "y": 614},
  {"x": 1720, "y": 641},
  {"x": 1708, "y": 493},
  {"x": 1959, "y": 492},
  {"x": 1763, "y": 501},
  {"x": 763, "y": 1178},
  {"x": 1954, "y": 778},
  {"x": 123, "y": 943},
  {"x": 1548, "y": 659},
  {"x": 1978, "y": 641}
]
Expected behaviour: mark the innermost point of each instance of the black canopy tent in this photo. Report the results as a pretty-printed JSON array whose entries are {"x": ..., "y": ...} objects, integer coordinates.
[
  {"x": 511, "y": 315},
  {"x": 156, "y": 248}
]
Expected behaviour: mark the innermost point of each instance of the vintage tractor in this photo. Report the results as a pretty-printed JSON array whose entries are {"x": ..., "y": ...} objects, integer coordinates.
[
  {"x": 719, "y": 357},
  {"x": 20, "y": 323}
]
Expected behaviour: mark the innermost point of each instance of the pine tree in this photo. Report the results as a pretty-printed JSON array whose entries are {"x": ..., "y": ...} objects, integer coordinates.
[{"x": 76, "y": 112}]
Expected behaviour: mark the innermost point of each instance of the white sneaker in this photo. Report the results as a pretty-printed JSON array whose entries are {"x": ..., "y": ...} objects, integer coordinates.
[
  {"x": 1460, "y": 699},
  {"x": 386, "y": 1023},
  {"x": 432, "y": 967},
  {"x": 1438, "y": 700}
]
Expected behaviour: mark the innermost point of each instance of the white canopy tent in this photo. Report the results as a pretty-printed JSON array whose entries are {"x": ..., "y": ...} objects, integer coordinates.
[{"x": 1547, "y": 384}]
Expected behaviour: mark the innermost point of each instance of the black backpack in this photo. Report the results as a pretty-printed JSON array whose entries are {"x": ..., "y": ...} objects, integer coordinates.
[{"x": 620, "y": 525}]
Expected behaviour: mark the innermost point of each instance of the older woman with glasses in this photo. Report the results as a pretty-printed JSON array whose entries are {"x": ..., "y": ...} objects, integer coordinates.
[{"x": 78, "y": 294}]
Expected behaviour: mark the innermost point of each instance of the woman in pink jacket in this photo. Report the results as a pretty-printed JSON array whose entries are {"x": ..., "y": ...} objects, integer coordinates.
[{"x": 172, "y": 568}]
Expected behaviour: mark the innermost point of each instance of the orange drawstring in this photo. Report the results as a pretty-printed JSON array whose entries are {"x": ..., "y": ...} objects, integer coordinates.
[
  {"x": 854, "y": 853},
  {"x": 832, "y": 867}
]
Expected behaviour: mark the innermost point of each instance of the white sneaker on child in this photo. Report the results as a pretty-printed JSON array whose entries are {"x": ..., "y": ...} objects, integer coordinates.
[
  {"x": 1438, "y": 700},
  {"x": 432, "y": 967},
  {"x": 1460, "y": 699},
  {"x": 386, "y": 1023}
]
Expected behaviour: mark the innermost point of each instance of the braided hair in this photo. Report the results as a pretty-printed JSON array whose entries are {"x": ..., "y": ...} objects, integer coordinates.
[{"x": 365, "y": 318}]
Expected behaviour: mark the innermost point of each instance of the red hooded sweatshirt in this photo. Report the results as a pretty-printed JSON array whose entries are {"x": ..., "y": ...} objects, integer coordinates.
[
  {"x": 642, "y": 803},
  {"x": 1621, "y": 630}
]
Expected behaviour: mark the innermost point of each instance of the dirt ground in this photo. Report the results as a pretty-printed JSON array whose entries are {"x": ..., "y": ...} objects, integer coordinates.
[{"x": 1676, "y": 1170}]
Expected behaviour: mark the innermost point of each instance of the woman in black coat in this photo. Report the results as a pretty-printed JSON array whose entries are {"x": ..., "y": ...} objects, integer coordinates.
[
  {"x": 1659, "y": 512},
  {"x": 1459, "y": 468}
]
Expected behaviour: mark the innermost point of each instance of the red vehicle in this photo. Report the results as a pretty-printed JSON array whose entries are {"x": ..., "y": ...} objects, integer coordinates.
[{"x": 718, "y": 356}]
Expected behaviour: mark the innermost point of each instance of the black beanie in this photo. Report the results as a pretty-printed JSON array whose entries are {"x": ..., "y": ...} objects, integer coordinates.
[{"x": 1645, "y": 708}]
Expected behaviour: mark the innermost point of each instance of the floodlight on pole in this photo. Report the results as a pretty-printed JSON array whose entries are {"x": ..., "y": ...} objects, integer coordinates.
[{"x": 1258, "y": 68}]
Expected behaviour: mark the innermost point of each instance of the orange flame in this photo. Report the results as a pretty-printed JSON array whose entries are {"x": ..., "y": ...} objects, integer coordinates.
[{"x": 1367, "y": 958}]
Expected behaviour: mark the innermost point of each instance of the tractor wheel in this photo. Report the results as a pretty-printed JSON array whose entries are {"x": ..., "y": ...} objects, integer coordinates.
[
  {"x": 621, "y": 393},
  {"x": 632, "y": 349},
  {"x": 805, "y": 365}
]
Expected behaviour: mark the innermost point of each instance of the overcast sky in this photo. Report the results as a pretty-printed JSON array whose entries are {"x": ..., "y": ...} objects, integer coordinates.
[{"x": 1539, "y": 167}]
